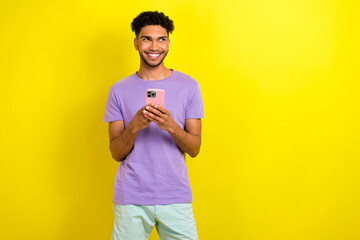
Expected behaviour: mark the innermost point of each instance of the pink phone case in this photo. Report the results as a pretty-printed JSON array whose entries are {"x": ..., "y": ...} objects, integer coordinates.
[{"x": 155, "y": 96}]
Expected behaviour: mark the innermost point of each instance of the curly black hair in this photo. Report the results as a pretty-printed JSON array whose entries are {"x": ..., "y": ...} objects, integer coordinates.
[{"x": 151, "y": 18}]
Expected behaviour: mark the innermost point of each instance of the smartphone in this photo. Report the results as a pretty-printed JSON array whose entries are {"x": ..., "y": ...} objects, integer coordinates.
[{"x": 155, "y": 96}]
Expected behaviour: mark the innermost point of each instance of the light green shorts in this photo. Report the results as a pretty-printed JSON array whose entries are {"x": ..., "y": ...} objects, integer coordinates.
[{"x": 172, "y": 221}]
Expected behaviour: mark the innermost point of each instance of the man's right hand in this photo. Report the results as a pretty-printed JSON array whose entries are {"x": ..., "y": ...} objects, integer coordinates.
[
  {"x": 139, "y": 121},
  {"x": 121, "y": 138}
]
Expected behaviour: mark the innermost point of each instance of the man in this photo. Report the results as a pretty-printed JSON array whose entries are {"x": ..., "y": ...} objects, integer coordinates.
[{"x": 150, "y": 141}]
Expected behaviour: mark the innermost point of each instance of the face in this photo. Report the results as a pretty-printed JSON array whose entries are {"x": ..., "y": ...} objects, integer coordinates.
[{"x": 152, "y": 44}]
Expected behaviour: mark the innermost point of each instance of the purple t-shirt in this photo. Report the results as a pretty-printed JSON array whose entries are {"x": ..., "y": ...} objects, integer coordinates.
[{"x": 154, "y": 172}]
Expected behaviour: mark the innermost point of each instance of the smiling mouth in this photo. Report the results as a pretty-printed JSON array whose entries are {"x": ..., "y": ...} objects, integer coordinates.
[{"x": 153, "y": 56}]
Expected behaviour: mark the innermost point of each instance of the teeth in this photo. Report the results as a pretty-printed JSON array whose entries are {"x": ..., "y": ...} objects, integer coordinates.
[{"x": 154, "y": 55}]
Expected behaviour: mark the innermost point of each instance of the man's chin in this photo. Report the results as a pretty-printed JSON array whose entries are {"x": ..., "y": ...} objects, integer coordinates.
[{"x": 152, "y": 65}]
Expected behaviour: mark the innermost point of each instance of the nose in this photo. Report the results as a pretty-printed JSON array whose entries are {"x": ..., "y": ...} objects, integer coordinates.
[{"x": 154, "y": 45}]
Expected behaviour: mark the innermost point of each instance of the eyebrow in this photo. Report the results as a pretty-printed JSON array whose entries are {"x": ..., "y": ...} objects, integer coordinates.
[{"x": 151, "y": 37}]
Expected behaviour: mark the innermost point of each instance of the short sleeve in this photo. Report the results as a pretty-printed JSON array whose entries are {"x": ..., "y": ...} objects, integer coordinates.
[
  {"x": 195, "y": 108},
  {"x": 113, "y": 107}
]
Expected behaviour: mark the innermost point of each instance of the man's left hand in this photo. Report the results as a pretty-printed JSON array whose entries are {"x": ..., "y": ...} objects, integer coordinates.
[{"x": 161, "y": 116}]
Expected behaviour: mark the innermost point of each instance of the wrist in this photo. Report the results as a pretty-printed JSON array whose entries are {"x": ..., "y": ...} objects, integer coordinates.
[
  {"x": 132, "y": 128},
  {"x": 174, "y": 128}
]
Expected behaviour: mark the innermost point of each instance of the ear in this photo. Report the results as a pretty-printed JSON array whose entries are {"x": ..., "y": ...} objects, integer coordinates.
[{"x": 136, "y": 44}]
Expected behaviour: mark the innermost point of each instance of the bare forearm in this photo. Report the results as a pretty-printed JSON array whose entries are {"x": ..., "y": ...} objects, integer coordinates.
[
  {"x": 121, "y": 146},
  {"x": 187, "y": 142}
]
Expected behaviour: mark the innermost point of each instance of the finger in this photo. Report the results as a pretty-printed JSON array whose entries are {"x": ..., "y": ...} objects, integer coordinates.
[
  {"x": 161, "y": 109},
  {"x": 148, "y": 119},
  {"x": 151, "y": 119},
  {"x": 151, "y": 116},
  {"x": 144, "y": 114},
  {"x": 144, "y": 107},
  {"x": 144, "y": 119},
  {"x": 154, "y": 111}
]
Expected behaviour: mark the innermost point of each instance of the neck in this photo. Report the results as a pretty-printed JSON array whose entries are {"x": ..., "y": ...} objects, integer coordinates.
[{"x": 153, "y": 73}]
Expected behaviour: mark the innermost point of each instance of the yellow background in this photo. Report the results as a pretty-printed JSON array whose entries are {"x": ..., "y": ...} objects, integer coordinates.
[{"x": 280, "y": 83}]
